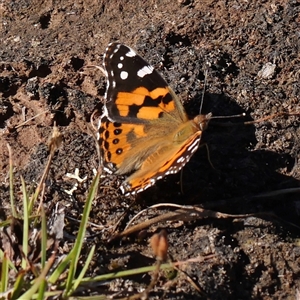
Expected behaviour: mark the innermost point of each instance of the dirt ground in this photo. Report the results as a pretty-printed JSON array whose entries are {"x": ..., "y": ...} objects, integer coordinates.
[{"x": 248, "y": 53}]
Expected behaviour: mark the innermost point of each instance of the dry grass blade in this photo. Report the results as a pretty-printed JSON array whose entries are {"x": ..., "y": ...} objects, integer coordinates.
[
  {"x": 34, "y": 117},
  {"x": 54, "y": 144},
  {"x": 185, "y": 214}
]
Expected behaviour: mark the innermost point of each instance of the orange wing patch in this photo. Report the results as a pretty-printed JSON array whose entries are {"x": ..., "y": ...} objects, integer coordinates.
[
  {"x": 114, "y": 143},
  {"x": 147, "y": 104}
]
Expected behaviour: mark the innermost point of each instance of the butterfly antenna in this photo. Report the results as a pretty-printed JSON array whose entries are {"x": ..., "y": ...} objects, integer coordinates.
[
  {"x": 202, "y": 98},
  {"x": 229, "y": 117},
  {"x": 260, "y": 120}
]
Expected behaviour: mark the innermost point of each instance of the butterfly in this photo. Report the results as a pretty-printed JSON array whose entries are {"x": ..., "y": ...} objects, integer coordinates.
[{"x": 144, "y": 130}]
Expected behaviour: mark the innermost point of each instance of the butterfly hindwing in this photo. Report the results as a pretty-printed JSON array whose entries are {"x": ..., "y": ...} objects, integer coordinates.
[
  {"x": 155, "y": 167},
  {"x": 121, "y": 145}
]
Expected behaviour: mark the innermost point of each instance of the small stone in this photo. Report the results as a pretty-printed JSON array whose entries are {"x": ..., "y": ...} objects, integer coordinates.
[{"x": 267, "y": 71}]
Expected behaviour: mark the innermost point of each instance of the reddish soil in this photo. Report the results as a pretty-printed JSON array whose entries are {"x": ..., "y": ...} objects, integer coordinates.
[{"x": 46, "y": 53}]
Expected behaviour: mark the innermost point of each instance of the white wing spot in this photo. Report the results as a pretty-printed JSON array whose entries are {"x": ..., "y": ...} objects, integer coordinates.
[
  {"x": 121, "y": 57},
  {"x": 105, "y": 112},
  {"x": 188, "y": 158},
  {"x": 124, "y": 75},
  {"x": 130, "y": 53},
  {"x": 107, "y": 170},
  {"x": 193, "y": 147},
  {"x": 145, "y": 187},
  {"x": 180, "y": 159},
  {"x": 120, "y": 66},
  {"x": 145, "y": 71}
]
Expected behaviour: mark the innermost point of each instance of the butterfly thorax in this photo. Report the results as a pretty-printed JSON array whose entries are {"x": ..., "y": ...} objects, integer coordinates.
[{"x": 190, "y": 128}]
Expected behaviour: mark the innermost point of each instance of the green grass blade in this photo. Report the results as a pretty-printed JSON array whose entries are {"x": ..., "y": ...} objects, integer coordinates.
[
  {"x": 100, "y": 297},
  {"x": 77, "y": 281},
  {"x": 126, "y": 273},
  {"x": 43, "y": 285},
  {"x": 40, "y": 280},
  {"x": 25, "y": 224},
  {"x": 42, "y": 290},
  {"x": 47, "y": 295},
  {"x": 60, "y": 269},
  {"x": 4, "y": 274},
  {"x": 11, "y": 185},
  {"x": 18, "y": 285},
  {"x": 10, "y": 263},
  {"x": 44, "y": 238},
  {"x": 81, "y": 234}
]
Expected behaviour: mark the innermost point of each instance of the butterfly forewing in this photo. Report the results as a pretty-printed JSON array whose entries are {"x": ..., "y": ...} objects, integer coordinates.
[{"x": 136, "y": 92}]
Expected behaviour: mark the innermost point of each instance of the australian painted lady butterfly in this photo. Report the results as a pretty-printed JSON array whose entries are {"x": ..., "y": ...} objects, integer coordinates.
[{"x": 144, "y": 130}]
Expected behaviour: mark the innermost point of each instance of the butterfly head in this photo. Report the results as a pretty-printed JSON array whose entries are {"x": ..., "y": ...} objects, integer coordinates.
[{"x": 202, "y": 121}]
